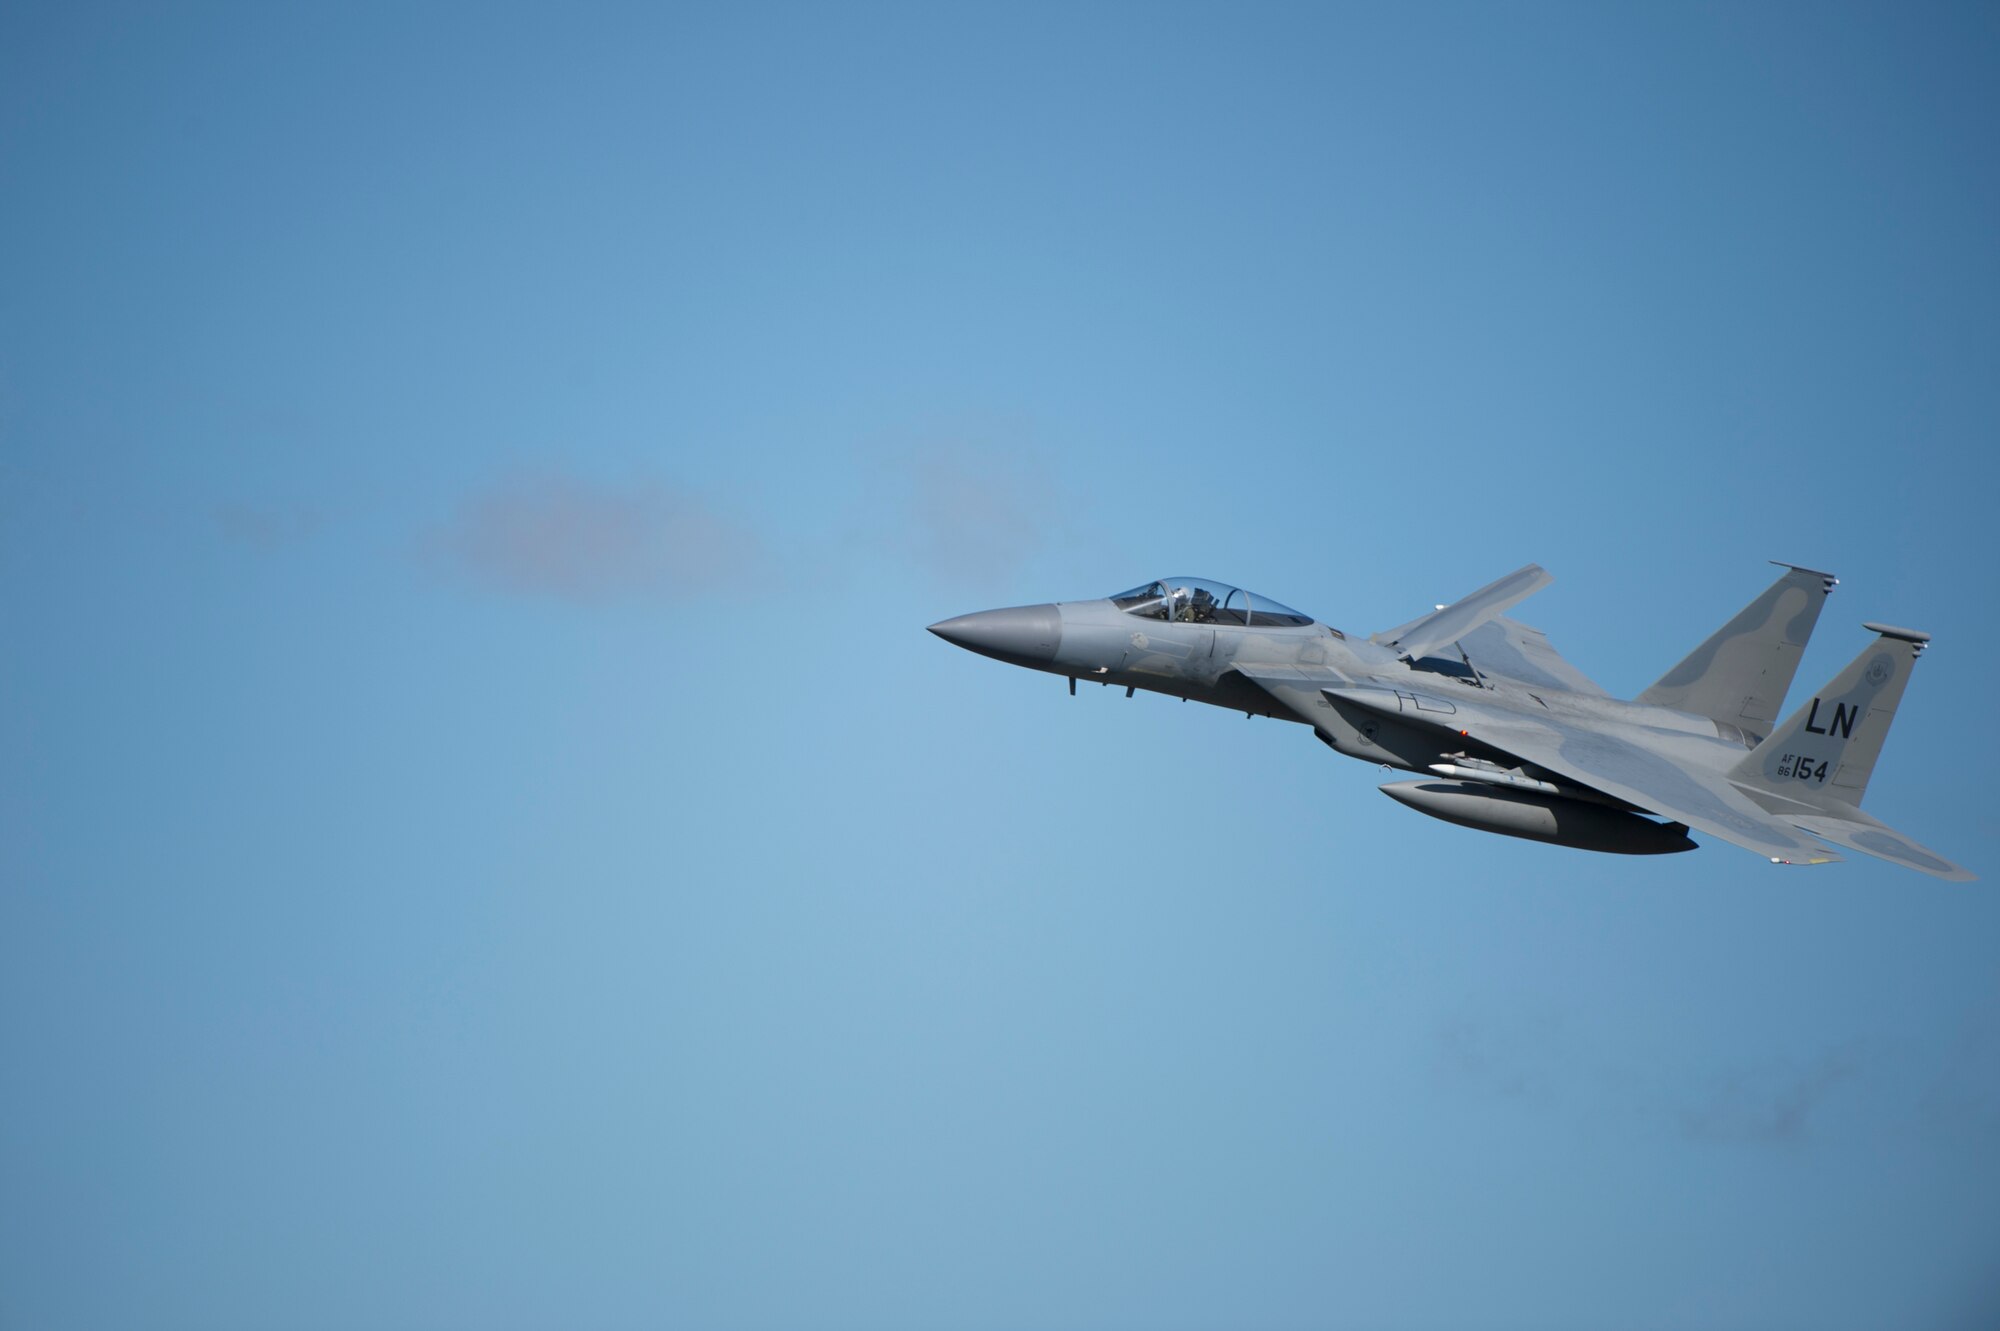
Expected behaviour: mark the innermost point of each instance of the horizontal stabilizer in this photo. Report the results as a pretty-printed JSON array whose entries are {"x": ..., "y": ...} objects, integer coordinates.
[
  {"x": 1857, "y": 831},
  {"x": 1421, "y": 637}
]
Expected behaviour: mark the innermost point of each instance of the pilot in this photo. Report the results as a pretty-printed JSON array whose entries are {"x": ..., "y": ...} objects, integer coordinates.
[{"x": 1194, "y": 607}]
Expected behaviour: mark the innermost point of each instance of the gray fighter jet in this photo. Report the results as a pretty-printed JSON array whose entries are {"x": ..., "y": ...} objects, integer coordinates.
[{"x": 1508, "y": 736}]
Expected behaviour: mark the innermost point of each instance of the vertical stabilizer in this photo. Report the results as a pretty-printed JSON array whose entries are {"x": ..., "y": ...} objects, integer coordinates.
[
  {"x": 1741, "y": 673},
  {"x": 1828, "y": 747}
]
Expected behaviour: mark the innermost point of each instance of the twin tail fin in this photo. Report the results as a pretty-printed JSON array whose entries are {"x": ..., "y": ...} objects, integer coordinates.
[
  {"x": 1814, "y": 769},
  {"x": 1829, "y": 746},
  {"x": 1741, "y": 673}
]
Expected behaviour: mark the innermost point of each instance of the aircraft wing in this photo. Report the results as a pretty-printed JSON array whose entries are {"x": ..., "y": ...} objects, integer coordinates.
[
  {"x": 1508, "y": 649},
  {"x": 1446, "y": 625},
  {"x": 1603, "y": 762}
]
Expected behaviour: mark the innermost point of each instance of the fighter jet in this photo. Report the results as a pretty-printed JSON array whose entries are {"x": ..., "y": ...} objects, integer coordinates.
[{"x": 1505, "y": 734}]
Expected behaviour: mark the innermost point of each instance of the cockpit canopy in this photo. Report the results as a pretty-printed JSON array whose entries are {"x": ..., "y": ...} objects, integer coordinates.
[{"x": 1202, "y": 601}]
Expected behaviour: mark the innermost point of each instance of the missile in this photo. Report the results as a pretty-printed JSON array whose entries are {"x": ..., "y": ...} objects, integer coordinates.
[
  {"x": 1536, "y": 815},
  {"x": 1494, "y": 777}
]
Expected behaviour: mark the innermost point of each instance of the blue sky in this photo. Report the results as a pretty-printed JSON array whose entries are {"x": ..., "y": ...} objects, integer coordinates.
[{"x": 485, "y": 839}]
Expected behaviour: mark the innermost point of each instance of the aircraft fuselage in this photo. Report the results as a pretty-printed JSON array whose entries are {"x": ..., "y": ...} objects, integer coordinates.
[
  {"x": 1526, "y": 744},
  {"x": 1098, "y": 642}
]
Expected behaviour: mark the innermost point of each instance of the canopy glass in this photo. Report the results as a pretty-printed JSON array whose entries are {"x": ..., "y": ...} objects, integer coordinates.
[{"x": 1205, "y": 601}]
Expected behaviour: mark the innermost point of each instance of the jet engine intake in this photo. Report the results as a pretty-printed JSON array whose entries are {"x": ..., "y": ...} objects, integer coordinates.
[{"x": 1537, "y": 816}]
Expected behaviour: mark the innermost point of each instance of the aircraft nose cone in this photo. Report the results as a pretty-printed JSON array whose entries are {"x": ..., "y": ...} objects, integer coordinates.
[{"x": 1022, "y": 634}]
